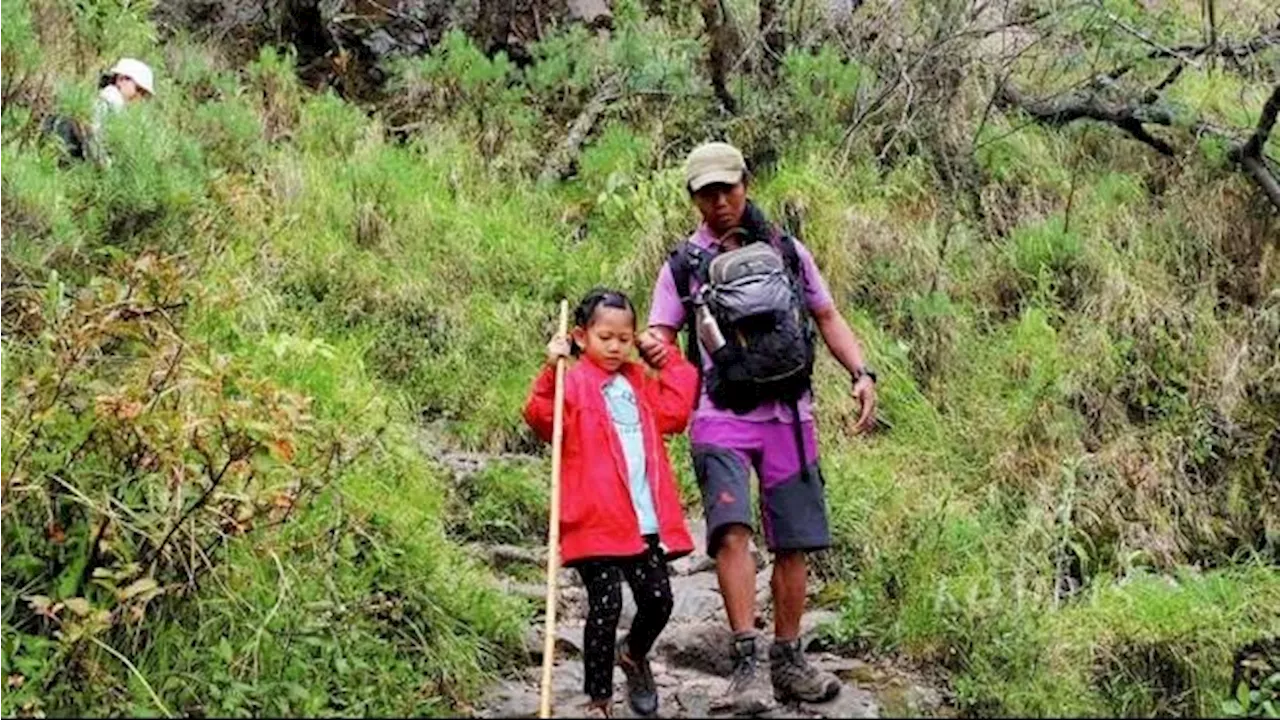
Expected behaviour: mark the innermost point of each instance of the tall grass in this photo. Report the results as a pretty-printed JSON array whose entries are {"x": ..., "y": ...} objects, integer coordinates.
[{"x": 1073, "y": 511}]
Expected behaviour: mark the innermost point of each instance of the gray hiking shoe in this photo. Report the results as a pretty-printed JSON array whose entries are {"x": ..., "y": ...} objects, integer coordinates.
[
  {"x": 795, "y": 679},
  {"x": 748, "y": 692},
  {"x": 642, "y": 693}
]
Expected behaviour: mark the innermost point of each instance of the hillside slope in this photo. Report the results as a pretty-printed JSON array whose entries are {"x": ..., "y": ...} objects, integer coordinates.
[{"x": 238, "y": 358}]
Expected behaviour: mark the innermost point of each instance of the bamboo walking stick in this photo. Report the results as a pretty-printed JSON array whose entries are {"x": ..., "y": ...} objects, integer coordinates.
[{"x": 553, "y": 531}]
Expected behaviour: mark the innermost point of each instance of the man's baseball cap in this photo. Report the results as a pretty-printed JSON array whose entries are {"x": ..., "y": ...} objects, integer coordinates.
[{"x": 715, "y": 162}]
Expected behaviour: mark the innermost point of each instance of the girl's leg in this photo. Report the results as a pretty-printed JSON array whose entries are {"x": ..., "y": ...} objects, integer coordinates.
[
  {"x": 604, "y": 606},
  {"x": 651, "y": 588}
]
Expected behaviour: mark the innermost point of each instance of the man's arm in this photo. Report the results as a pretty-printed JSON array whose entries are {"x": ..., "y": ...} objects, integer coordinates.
[
  {"x": 840, "y": 339},
  {"x": 844, "y": 345}
]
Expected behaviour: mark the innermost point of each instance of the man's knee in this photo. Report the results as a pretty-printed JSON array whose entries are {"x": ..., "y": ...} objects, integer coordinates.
[
  {"x": 735, "y": 540},
  {"x": 789, "y": 559}
]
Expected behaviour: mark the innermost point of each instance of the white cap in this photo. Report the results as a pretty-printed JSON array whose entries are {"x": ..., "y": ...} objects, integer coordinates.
[{"x": 137, "y": 71}]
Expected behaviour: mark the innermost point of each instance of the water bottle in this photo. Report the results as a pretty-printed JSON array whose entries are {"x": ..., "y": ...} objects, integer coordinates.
[{"x": 708, "y": 330}]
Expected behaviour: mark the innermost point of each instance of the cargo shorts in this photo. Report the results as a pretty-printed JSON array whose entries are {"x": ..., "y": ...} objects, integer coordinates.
[{"x": 793, "y": 506}]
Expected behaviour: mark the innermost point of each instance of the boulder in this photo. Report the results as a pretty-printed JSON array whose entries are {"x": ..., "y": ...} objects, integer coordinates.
[{"x": 703, "y": 647}]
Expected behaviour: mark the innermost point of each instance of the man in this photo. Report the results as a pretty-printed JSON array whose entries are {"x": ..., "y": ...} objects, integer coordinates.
[{"x": 728, "y": 443}]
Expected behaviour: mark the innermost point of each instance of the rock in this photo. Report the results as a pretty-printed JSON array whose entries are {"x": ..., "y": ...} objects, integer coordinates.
[
  {"x": 698, "y": 646},
  {"x": 923, "y": 700},
  {"x": 568, "y": 641},
  {"x": 695, "y": 598},
  {"x": 694, "y": 697},
  {"x": 693, "y": 564},
  {"x": 812, "y": 624},
  {"x": 842, "y": 667},
  {"x": 510, "y": 699},
  {"x": 595, "y": 14},
  {"x": 852, "y": 702}
]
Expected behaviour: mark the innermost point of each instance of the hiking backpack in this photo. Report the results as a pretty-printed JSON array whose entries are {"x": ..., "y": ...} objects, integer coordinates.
[{"x": 755, "y": 296}]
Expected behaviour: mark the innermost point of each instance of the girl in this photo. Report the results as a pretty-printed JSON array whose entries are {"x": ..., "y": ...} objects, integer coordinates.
[{"x": 620, "y": 514}]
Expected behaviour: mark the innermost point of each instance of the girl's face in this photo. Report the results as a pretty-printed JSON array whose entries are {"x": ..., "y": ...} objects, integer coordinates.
[{"x": 608, "y": 337}]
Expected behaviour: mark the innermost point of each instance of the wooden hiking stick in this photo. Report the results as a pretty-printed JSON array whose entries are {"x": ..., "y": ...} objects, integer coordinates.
[{"x": 553, "y": 530}]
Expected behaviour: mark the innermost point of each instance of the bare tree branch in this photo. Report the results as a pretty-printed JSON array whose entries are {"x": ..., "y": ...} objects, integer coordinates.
[
  {"x": 1086, "y": 105},
  {"x": 1249, "y": 154},
  {"x": 560, "y": 163},
  {"x": 1266, "y": 122},
  {"x": 1132, "y": 118}
]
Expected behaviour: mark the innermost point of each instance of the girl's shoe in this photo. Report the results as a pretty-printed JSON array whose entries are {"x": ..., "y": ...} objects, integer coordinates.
[
  {"x": 642, "y": 693},
  {"x": 598, "y": 708}
]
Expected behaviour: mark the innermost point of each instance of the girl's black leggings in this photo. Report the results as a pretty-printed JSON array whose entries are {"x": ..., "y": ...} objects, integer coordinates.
[{"x": 651, "y": 588}]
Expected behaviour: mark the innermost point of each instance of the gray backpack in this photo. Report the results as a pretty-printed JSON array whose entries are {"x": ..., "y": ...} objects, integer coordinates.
[{"x": 751, "y": 317}]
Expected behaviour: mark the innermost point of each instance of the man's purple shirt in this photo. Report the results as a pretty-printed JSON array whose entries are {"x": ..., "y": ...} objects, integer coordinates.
[{"x": 667, "y": 310}]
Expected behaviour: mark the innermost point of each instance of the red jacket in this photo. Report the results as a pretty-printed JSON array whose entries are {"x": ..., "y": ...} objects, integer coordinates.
[{"x": 597, "y": 519}]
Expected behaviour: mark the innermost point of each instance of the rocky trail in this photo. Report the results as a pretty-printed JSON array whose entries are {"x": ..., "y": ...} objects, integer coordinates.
[{"x": 691, "y": 659}]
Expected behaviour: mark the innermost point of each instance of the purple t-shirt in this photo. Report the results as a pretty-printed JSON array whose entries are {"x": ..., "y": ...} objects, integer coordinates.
[{"x": 667, "y": 310}]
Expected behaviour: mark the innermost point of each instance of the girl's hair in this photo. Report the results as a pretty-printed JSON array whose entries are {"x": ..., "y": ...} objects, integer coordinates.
[{"x": 599, "y": 297}]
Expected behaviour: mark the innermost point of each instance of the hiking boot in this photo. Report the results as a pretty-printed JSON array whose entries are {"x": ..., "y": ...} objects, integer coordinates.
[
  {"x": 748, "y": 692},
  {"x": 642, "y": 693},
  {"x": 795, "y": 679}
]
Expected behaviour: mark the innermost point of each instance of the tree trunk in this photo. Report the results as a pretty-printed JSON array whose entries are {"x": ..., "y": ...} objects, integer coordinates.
[
  {"x": 773, "y": 29},
  {"x": 718, "y": 56}
]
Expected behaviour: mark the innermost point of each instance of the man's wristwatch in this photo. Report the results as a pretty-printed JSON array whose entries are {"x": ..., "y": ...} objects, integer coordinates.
[{"x": 864, "y": 371}]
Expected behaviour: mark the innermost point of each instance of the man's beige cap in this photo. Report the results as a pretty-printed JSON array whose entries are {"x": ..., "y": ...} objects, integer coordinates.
[{"x": 715, "y": 162}]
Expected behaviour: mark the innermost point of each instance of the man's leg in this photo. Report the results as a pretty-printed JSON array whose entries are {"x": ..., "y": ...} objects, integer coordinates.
[
  {"x": 736, "y": 571},
  {"x": 722, "y": 463},
  {"x": 790, "y": 576},
  {"x": 795, "y": 522}
]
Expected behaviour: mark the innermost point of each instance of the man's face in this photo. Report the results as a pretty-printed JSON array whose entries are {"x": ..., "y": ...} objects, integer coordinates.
[{"x": 721, "y": 206}]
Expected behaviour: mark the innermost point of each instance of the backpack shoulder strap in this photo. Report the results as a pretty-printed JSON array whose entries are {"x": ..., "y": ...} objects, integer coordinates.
[
  {"x": 688, "y": 261},
  {"x": 787, "y": 245}
]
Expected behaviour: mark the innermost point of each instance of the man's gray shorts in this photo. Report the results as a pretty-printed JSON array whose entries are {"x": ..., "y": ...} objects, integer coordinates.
[{"x": 793, "y": 506}]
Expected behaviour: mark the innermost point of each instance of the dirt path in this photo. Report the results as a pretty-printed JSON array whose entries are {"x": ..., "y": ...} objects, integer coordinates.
[{"x": 691, "y": 658}]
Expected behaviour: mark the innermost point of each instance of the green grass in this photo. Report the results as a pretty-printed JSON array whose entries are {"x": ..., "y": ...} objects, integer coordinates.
[{"x": 1070, "y": 513}]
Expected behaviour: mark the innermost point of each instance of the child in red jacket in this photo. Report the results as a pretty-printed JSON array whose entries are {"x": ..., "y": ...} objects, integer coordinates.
[{"x": 620, "y": 515}]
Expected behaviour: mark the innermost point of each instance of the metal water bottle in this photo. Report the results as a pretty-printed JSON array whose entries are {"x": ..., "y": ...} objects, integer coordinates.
[{"x": 708, "y": 330}]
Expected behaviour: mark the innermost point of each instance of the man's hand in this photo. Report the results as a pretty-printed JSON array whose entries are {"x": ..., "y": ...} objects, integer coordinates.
[
  {"x": 652, "y": 348},
  {"x": 557, "y": 348},
  {"x": 865, "y": 391}
]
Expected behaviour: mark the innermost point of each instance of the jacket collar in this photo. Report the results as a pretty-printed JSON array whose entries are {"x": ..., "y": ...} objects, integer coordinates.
[{"x": 598, "y": 375}]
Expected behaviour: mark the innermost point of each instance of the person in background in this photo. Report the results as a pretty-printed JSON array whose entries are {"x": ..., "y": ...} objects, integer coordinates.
[{"x": 127, "y": 81}]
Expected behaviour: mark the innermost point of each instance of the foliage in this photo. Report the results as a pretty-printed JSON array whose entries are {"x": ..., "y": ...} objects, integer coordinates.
[{"x": 220, "y": 348}]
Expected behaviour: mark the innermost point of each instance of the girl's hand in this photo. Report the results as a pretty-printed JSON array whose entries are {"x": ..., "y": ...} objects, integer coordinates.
[{"x": 558, "y": 348}]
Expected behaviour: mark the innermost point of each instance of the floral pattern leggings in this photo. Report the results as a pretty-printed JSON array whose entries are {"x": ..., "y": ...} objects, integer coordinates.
[{"x": 651, "y": 588}]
